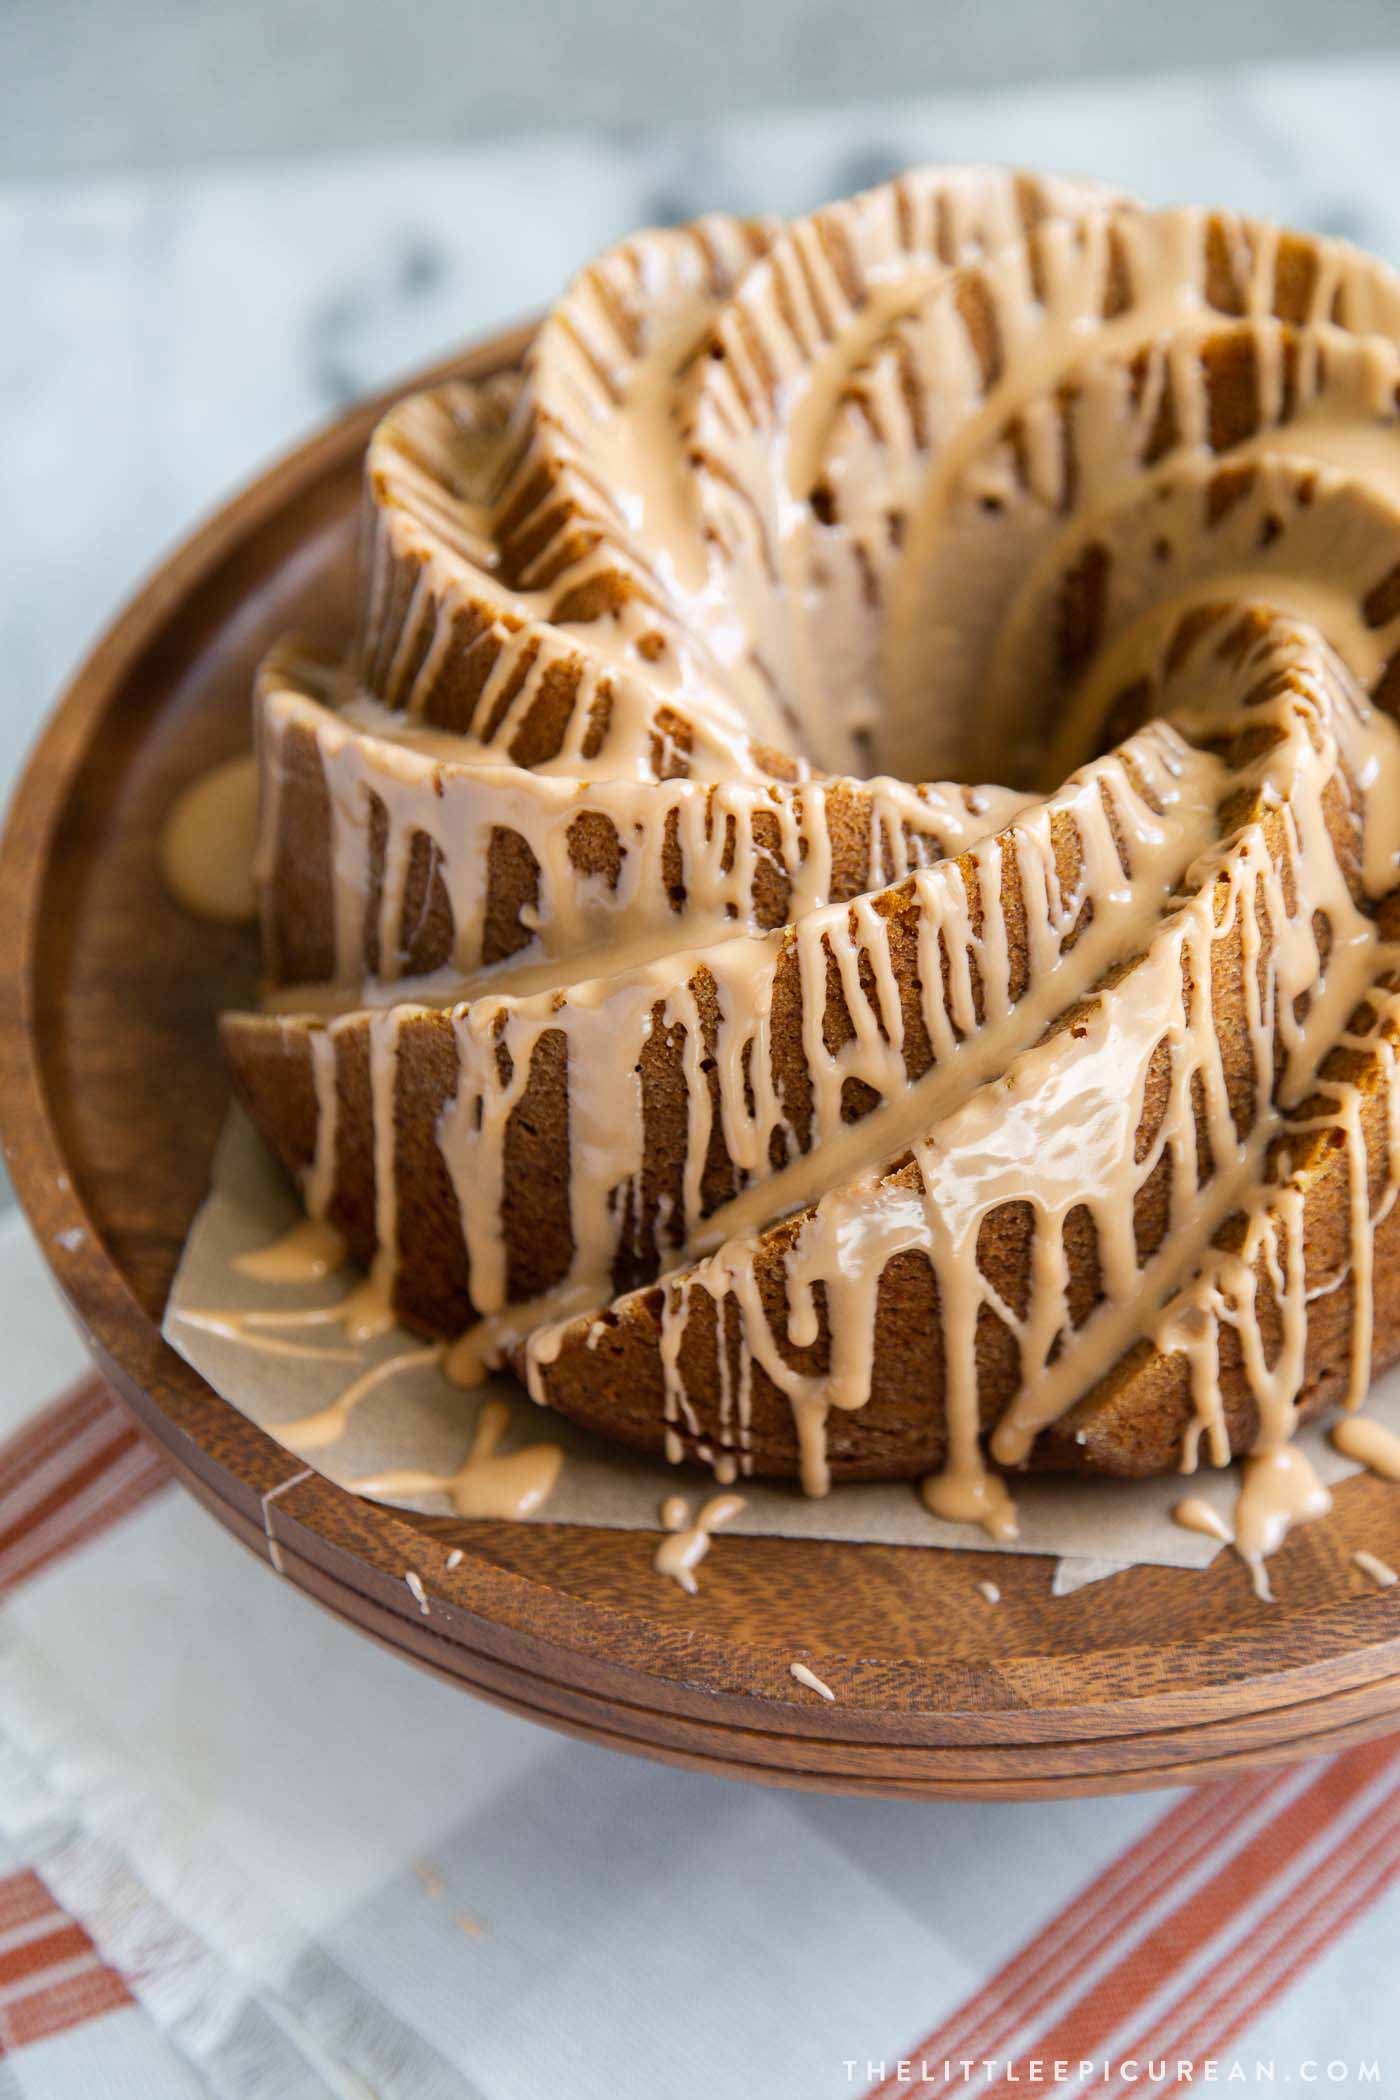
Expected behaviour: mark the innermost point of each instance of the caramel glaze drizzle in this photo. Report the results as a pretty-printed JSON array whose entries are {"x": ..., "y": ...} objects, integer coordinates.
[
  {"x": 687, "y": 1543},
  {"x": 1151, "y": 461}
]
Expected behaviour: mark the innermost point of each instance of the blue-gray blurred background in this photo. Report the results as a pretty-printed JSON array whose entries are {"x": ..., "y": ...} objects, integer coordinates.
[
  {"x": 105, "y": 86},
  {"x": 221, "y": 219}
]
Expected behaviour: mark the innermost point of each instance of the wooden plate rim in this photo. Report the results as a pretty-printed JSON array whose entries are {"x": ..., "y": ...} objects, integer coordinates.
[{"x": 495, "y": 1612}]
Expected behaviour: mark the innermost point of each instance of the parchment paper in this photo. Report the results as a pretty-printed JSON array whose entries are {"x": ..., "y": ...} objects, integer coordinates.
[{"x": 416, "y": 1421}]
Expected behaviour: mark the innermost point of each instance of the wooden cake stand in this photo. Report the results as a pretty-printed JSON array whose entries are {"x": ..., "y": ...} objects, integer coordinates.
[{"x": 112, "y": 1093}]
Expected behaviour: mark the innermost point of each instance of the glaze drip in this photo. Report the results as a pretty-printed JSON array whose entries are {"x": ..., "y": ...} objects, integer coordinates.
[
  {"x": 687, "y": 1542},
  {"x": 649, "y": 1003}
]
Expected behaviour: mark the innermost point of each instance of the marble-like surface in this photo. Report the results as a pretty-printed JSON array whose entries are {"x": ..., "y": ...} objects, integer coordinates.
[
  {"x": 92, "y": 86},
  {"x": 164, "y": 337}
]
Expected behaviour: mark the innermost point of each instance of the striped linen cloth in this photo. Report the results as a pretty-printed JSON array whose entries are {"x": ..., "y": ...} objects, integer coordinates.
[{"x": 244, "y": 1852}]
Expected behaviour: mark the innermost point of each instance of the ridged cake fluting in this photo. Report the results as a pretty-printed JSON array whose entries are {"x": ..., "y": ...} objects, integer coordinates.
[{"x": 659, "y": 990}]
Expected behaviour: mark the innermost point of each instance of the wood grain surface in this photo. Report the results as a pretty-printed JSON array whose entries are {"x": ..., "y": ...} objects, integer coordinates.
[{"x": 111, "y": 1096}]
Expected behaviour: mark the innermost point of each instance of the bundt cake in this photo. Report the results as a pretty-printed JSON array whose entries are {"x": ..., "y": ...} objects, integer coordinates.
[{"x": 645, "y": 1011}]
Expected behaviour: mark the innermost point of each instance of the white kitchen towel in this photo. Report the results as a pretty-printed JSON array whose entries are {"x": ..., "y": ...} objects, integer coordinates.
[{"x": 245, "y": 1852}]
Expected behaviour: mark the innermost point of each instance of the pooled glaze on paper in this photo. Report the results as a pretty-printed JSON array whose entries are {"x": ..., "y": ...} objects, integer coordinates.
[
  {"x": 207, "y": 844},
  {"x": 304, "y": 1254},
  {"x": 509, "y": 1486}
]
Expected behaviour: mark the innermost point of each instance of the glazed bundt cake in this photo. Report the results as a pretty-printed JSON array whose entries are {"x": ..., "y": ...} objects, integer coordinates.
[{"x": 647, "y": 1011}]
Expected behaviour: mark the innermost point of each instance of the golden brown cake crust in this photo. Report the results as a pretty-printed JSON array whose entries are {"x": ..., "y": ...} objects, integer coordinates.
[{"x": 622, "y": 1005}]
